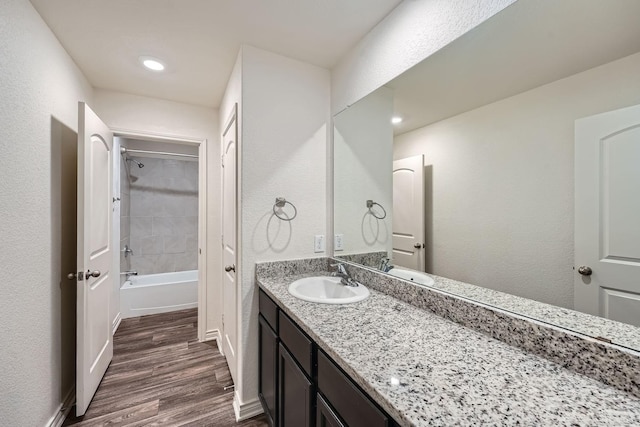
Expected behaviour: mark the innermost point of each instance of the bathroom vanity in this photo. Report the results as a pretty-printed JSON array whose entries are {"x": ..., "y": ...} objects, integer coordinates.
[
  {"x": 299, "y": 383},
  {"x": 383, "y": 361}
]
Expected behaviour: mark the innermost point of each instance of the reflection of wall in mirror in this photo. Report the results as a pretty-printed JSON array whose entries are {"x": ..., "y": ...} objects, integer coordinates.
[
  {"x": 363, "y": 139},
  {"x": 502, "y": 213}
]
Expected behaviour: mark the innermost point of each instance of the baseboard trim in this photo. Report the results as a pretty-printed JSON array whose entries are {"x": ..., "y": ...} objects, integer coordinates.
[
  {"x": 116, "y": 322},
  {"x": 214, "y": 334},
  {"x": 246, "y": 410},
  {"x": 63, "y": 410}
]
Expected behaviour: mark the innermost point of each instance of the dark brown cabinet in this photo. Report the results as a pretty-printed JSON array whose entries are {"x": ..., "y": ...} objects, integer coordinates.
[
  {"x": 325, "y": 415},
  {"x": 268, "y": 370},
  {"x": 300, "y": 386},
  {"x": 296, "y": 393},
  {"x": 354, "y": 407}
]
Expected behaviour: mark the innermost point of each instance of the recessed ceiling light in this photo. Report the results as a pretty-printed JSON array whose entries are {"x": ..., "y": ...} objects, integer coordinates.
[
  {"x": 395, "y": 120},
  {"x": 152, "y": 64}
]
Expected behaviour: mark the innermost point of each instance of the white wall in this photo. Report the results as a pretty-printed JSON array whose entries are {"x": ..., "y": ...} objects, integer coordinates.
[
  {"x": 363, "y": 145},
  {"x": 285, "y": 110},
  {"x": 40, "y": 87},
  {"x": 503, "y": 182},
  {"x": 413, "y": 31},
  {"x": 133, "y": 113}
]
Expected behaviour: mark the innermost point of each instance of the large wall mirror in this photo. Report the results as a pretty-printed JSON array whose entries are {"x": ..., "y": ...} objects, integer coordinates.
[{"x": 478, "y": 182}]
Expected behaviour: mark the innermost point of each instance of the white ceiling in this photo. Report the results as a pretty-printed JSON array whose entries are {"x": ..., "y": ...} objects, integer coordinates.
[
  {"x": 528, "y": 44},
  {"x": 200, "y": 39}
]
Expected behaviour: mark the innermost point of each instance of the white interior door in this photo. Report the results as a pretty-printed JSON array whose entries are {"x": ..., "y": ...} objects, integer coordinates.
[
  {"x": 408, "y": 213},
  {"x": 607, "y": 215},
  {"x": 229, "y": 243},
  {"x": 94, "y": 265}
]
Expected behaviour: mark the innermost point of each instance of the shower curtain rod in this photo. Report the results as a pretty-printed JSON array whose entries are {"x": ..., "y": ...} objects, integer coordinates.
[{"x": 124, "y": 150}]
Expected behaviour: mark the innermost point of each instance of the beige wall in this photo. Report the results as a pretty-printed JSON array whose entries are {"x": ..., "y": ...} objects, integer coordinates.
[
  {"x": 413, "y": 31},
  {"x": 502, "y": 182},
  {"x": 363, "y": 145},
  {"x": 283, "y": 114},
  {"x": 40, "y": 87}
]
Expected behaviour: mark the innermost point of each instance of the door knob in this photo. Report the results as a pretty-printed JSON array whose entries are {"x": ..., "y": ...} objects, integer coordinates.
[
  {"x": 417, "y": 245},
  {"x": 584, "y": 270},
  {"x": 95, "y": 273},
  {"x": 72, "y": 276},
  {"x": 229, "y": 268}
]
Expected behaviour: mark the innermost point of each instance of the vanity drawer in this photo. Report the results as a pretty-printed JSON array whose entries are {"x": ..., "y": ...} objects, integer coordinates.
[
  {"x": 297, "y": 342},
  {"x": 351, "y": 404},
  {"x": 269, "y": 310}
]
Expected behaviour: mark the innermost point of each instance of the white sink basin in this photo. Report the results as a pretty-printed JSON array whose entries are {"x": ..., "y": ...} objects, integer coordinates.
[
  {"x": 412, "y": 276},
  {"x": 327, "y": 290}
]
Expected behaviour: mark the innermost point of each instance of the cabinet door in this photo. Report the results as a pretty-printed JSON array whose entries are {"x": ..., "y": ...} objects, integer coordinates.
[
  {"x": 350, "y": 403},
  {"x": 296, "y": 393},
  {"x": 268, "y": 370},
  {"x": 326, "y": 416}
]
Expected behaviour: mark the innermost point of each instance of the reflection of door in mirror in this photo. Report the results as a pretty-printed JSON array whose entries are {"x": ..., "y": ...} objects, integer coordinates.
[
  {"x": 607, "y": 227},
  {"x": 408, "y": 213}
]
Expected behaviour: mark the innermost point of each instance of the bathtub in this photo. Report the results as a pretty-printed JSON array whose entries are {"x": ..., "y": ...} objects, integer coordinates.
[{"x": 159, "y": 293}]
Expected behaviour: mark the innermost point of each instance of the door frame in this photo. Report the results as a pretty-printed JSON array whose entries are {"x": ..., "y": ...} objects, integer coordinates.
[{"x": 201, "y": 143}]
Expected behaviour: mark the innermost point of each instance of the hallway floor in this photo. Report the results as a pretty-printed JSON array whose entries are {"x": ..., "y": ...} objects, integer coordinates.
[{"x": 162, "y": 375}]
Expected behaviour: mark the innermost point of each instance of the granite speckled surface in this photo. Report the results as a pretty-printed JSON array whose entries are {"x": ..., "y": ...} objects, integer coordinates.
[
  {"x": 610, "y": 364},
  {"x": 426, "y": 370},
  {"x": 619, "y": 333},
  {"x": 368, "y": 259}
]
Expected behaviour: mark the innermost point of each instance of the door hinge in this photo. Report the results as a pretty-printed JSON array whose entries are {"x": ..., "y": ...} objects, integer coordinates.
[{"x": 222, "y": 160}]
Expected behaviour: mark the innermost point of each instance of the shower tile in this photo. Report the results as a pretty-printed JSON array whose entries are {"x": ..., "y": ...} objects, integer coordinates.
[
  {"x": 125, "y": 262},
  {"x": 175, "y": 205},
  {"x": 173, "y": 168},
  {"x": 164, "y": 226},
  {"x": 125, "y": 204},
  {"x": 151, "y": 245},
  {"x": 125, "y": 227},
  {"x": 143, "y": 202},
  {"x": 164, "y": 204},
  {"x": 190, "y": 206},
  {"x": 191, "y": 225},
  {"x": 165, "y": 263},
  {"x": 141, "y": 226},
  {"x": 191, "y": 244},
  {"x": 144, "y": 264},
  {"x": 186, "y": 261},
  {"x": 175, "y": 244},
  {"x": 191, "y": 173}
]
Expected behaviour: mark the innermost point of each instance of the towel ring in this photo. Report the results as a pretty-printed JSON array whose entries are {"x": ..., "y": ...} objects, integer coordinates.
[
  {"x": 370, "y": 204},
  {"x": 280, "y": 202}
]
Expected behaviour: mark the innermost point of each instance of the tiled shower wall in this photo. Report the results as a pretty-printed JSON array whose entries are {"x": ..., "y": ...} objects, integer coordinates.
[
  {"x": 164, "y": 215},
  {"x": 125, "y": 190}
]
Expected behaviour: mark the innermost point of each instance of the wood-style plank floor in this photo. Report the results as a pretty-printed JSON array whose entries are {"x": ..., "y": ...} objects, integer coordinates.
[{"x": 162, "y": 375}]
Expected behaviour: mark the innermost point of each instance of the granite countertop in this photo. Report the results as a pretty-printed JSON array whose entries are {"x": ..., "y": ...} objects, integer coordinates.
[{"x": 425, "y": 370}]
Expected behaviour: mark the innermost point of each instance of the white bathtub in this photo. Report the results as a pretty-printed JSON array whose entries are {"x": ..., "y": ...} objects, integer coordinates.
[{"x": 159, "y": 293}]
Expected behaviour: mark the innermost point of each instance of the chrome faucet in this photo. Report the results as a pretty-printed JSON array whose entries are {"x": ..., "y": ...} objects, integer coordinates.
[
  {"x": 341, "y": 271},
  {"x": 127, "y": 251},
  {"x": 385, "y": 264}
]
